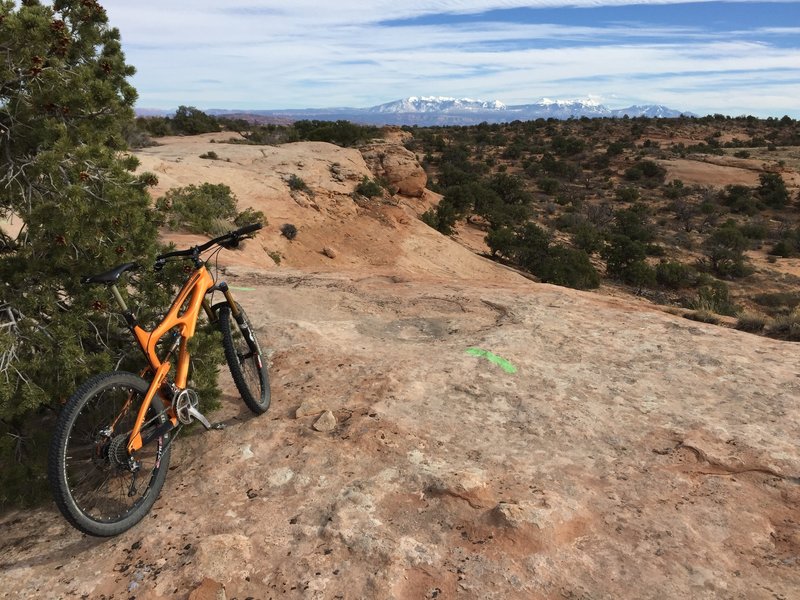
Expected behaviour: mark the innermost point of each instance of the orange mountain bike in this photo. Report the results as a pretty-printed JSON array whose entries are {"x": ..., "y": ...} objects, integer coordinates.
[{"x": 110, "y": 452}]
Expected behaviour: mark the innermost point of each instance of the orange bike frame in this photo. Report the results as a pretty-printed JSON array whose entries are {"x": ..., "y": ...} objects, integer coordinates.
[{"x": 193, "y": 297}]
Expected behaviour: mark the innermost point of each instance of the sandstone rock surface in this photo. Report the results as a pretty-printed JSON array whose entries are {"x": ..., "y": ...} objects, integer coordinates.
[
  {"x": 398, "y": 166},
  {"x": 632, "y": 453}
]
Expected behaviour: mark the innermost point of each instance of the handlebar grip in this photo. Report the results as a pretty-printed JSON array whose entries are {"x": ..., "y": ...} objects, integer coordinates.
[{"x": 247, "y": 229}]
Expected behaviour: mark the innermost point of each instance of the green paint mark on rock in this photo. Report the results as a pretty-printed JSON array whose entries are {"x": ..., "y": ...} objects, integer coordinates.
[{"x": 492, "y": 357}]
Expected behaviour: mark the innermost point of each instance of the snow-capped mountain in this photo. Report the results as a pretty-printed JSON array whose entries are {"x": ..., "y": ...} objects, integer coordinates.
[
  {"x": 442, "y": 110},
  {"x": 433, "y": 104}
]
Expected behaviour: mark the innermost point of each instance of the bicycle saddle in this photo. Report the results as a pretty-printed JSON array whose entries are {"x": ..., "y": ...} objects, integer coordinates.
[{"x": 109, "y": 276}]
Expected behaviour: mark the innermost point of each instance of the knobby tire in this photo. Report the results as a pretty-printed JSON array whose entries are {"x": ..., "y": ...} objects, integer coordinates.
[
  {"x": 245, "y": 360},
  {"x": 91, "y": 480}
]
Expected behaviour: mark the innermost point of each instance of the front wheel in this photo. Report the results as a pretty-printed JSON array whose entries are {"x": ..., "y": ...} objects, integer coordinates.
[
  {"x": 97, "y": 485},
  {"x": 245, "y": 359}
]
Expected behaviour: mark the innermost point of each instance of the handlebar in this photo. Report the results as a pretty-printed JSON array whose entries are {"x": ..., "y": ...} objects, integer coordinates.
[{"x": 228, "y": 240}]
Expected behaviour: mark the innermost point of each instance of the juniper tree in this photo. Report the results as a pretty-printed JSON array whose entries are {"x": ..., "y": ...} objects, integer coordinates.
[{"x": 78, "y": 208}]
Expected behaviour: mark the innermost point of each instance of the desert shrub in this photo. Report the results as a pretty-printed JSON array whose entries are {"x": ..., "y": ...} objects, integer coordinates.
[
  {"x": 341, "y": 133},
  {"x": 210, "y": 155},
  {"x": 742, "y": 154},
  {"x": 548, "y": 185},
  {"x": 625, "y": 261},
  {"x": 725, "y": 251},
  {"x": 787, "y": 327},
  {"x": 297, "y": 184},
  {"x": 703, "y": 316},
  {"x": 587, "y": 237},
  {"x": 675, "y": 189},
  {"x": 714, "y": 297},
  {"x": 369, "y": 188},
  {"x": 616, "y": 148},
  {"x": 648, "y": 172},
  {"x": 189, "y": 120},
  {"x": 511, "y": 189},
  {"x": 627, "y": 193},
  {"x": 567, "y": 145},
  {"x": 740, "y": 199},
  {"x": 442, "y": 218},
  {"x": 772, "y": 190},
  {"x": 782, "y": 248},
  {"x": 201, "y": 209},
  {"x": 634, "y": 223},
  {"x": 501, "y": 241},
  {"x": 673, "y": 275},
  {"x": 289, "y": 231},
  {"x": 568, "y": 267},
  {"x": 751, "y": 322},
  {"x": 249, "y": 216},
  {"x": 778, "y": 300},
  {"x": 755, "y": 229}
]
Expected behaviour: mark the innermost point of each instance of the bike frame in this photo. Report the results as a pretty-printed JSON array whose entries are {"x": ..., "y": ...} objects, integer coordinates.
[{"x": 183, "y": 314}]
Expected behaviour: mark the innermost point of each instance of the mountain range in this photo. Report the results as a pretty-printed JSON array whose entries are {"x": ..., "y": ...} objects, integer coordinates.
[{"x": 438, "y": 110}]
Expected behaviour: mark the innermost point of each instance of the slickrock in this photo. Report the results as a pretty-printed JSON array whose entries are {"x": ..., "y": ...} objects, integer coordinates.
[
  {"x": 629, "y": 454},
  {"x": 398, "y": 166}
]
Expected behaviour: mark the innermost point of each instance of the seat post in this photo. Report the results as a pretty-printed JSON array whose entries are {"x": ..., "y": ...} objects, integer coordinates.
[{"x": 118, "y": 298}]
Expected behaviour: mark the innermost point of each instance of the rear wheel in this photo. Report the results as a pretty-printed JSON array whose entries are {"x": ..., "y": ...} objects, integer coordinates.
[
  {"x": 245, "y": 359},
  {"x": 97, "y": 486}
]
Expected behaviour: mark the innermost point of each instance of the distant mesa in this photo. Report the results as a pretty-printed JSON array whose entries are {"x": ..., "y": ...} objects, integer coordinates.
[{"x": 444, "y": 110}]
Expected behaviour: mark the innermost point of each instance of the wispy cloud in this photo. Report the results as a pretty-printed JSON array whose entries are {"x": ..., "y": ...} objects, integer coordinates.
[{"x": 706, "y": 57}]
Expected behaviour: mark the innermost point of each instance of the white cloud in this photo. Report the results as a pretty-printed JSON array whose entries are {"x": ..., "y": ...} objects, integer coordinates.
[{"x": 309, "y": 54}]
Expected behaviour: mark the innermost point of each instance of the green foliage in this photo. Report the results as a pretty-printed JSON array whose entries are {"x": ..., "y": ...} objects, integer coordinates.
[
  {"x": 647, "y": 172},
  {"x": 511, "y": 189},
  {"x": 297, "y": 184},
  {"x": 625, "y": 260},
  {"x": 587, "y": 237},
  {"x": 189, "y": 120},
  {"x": 249, "y": 216},
  {"x": 442, "y": 218},
  {"x": 715, "y": 297},
  {"x": 289, "y": 231},
  {"x": 568, "y": 267},
  {"x": 65, "y": 107},
  {"x": 778, "y": 301},
  {"x": 787, "y": 327},
  {"x": 369, "y": 188},
  {"x": 207, "y": 208},
  {"x": 634, "y": 223},
  {"x": 530, "y": 247},
  {"x": 740, "y": 199},
  {"x": 673, "y": 275},
  {"x": 210, "y": 155},
  {"x": 772, "y": 190},
  {"x": 627, "y": 193},
  {"x": 751, "y": 322},
  {"x": 725, "y": 251},
  {"x": 341, "y": 133},
  {"x": 501, "y": 241},
  {"x": 675, "y": 189}
]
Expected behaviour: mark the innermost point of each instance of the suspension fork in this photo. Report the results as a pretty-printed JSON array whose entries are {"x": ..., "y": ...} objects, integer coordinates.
[{"x": 226, "y": 291}]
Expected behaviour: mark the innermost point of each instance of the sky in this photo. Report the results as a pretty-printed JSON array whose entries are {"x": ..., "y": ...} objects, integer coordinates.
[{"x": 732, "y": 58}]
